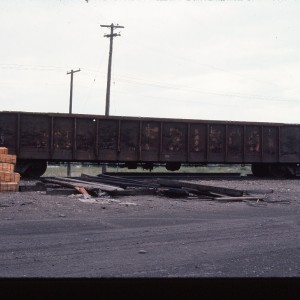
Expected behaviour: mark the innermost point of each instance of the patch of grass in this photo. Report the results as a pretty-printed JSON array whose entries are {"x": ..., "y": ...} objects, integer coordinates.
[{"x": 78, "y": 169}]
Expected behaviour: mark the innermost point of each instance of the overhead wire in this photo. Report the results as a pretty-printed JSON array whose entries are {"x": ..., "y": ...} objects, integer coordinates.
[
  {"x": 142, "y": 81},
  {"x": 189, "y": 89}
]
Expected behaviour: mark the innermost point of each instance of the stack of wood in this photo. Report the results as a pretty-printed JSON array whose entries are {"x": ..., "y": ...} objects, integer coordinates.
[
  {"x": 9, "y": 180},
  {"x": 118, "y": 186}
]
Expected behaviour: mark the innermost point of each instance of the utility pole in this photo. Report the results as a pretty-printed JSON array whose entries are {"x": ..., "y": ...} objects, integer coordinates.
[
  {"x": 70, "y": 110},
  {"x": 111, "y": 36},
  {"x": 71, "y": 89},
  {"x": 107, "y": 103}
]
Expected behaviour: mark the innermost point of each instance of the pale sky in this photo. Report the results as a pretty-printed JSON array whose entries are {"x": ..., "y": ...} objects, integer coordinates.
[{"x": 211, "y": 60}]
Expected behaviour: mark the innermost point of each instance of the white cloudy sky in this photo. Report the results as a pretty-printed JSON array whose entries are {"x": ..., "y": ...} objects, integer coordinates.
[{"x": 227, "y": 60}]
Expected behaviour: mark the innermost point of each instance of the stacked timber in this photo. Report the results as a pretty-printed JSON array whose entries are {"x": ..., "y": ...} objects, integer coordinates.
[{"x": 9, "y": 180}]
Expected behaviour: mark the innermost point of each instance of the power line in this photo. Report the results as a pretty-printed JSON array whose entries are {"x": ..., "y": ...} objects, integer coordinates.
[
  {"x": 189, "y": 89},
  {"x": 144, "y": 81}
]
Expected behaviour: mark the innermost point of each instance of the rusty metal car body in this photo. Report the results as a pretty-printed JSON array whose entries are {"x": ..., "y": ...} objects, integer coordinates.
[{"x": 38, "y": 138}]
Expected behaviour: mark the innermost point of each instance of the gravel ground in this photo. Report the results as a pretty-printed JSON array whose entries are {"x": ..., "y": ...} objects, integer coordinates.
[
  {"x": 151, "y": 236},
  {"x": 37, "y": 205}
]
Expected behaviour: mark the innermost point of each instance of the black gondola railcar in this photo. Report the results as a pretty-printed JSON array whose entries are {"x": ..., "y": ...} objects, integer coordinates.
[{"x": 38, "y": 138}]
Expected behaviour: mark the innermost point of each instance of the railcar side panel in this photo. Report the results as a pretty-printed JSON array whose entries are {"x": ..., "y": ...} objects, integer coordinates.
[
  {"x": 108, "y": 140},
  {"x": 235, "y": 144},
  {"x": 216, "y": 143},
  {"x": 129, "y": 141},
  {"x": 174, "y": 141},
  {"x": 289, "y": 144},
  {"x": 85, "y": 139},
  {"x": 150, "y": 141},
  {"x": 34, "y": 136},
  {"x": 252, "y": 144},
  {"x": 63, "y": 137},
  {"x": 270, "y": 144},
  {"x": 197, "y": 143},
  {"x": 9, "y": 132}
]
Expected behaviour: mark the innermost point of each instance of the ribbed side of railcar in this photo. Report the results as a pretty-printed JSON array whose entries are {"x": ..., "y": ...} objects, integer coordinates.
[{"x": 63, "y": 137}]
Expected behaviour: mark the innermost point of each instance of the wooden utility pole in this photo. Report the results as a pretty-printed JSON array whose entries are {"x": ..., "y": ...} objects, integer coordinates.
[
  {"x": 111, "y": 36},
  {"x": 70, "y": 110},
  {"x": 71, "y": 89}
]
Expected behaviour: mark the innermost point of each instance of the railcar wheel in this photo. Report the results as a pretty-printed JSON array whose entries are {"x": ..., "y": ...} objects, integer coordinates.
[
  {"x": 32, "y": 169},
  {"x": 148, "y": 166},
  {"x": 173, "y": 166},
  {"x": 260, "y": 170},
  {"x": 291, "y": 170},
  {"x": 276, "y": 170},
  {"x": 131, "y": 165},
  {"x": 282, "y": 170}
]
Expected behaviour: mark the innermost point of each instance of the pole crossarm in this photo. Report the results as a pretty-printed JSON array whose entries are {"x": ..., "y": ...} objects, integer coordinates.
[
  {"x": 112, "y": 35},
  {"x": 73, "y": 71},
  {"x": 112, "y": 25}
]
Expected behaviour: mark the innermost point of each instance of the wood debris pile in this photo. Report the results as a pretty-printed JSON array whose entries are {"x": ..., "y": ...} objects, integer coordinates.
[{"x": 116, "y": 186}]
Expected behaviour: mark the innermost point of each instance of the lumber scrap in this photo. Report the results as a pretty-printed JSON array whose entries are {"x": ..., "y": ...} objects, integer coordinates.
[
  {"x": 174, "y": 192},
  {"x": 90, "y": 187},
  {"x": 134, "y": 192},
  {"x": 87, "y": 185},
  {"x": 115, "y": 180},
  {"x": 258, "y": 191},
  {"x": 200, "y": 187},
  {"x": 245, "y": 198},
  {"x": 101, "y": 186},
  {"x": 83, "y": 191}
]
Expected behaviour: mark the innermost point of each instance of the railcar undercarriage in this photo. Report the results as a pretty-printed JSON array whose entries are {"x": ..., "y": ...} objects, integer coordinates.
[
  {"x": 36, "y": 168},
  {"x": 275, "y": 170}
]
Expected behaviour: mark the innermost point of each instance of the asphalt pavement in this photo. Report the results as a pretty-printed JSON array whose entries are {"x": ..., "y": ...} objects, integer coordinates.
[{"x": 153, "y": 238}]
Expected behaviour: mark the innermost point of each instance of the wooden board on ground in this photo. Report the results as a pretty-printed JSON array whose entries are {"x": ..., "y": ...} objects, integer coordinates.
[
  {"x": 77, "y": 183},
  {"x": 200, "y": 187}
]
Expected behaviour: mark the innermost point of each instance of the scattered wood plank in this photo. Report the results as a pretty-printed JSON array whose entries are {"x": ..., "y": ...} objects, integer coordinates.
[
  {"x": 134, "y": 192},
  {"x": 261, "y": 192},
  {"x": 245, "y": 198},
  {"x": 116, "y": 186},
  {"x": 116, "y": 180},
  {"x": 174, "y": 192},
  {"x": 200, "y": 187},
  {"x": 93, "y": 189},
  {"x": 60, "y": 191},
  {"x": 81, "y": 183},
  {"x": 83, "y": 191}
]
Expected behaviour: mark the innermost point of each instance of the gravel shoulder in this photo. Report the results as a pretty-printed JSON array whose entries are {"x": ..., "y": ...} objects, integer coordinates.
[{"x": 150, "y": 236}]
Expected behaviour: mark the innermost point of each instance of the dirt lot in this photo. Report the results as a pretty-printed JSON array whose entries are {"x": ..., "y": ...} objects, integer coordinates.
[{"x": 151, "y": 236}]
